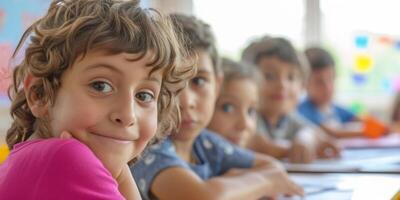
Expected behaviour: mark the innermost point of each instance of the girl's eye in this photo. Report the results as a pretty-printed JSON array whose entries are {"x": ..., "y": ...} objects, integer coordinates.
[
  {"x": 101, "y": 86},
  {"x": 228, "y": 108},
  {"x": 145, "y": 97},
  {"x": 199, "y": 81}
]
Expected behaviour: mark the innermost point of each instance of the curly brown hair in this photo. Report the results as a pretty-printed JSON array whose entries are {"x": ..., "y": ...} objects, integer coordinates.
[{"x": 69, "y": 30}]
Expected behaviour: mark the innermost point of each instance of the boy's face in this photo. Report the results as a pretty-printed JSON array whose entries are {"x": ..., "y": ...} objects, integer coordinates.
[
  {"x": 235, "y": 115},
  {"x": 281, "y": 87},
  {"x": 321, "y": 85},
  {"x": 197, "y": 100},
  {"x": 109, "y": 104}
]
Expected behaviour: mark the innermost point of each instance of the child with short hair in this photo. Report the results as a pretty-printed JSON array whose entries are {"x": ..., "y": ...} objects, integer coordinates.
[
  {"x": 284, "y": 72},
  {"x": 318, "y": 107},
  {"x": 106, "y": 72},
  {"x": 236, "y": 110},
  {"x": 195, "y": 163}
]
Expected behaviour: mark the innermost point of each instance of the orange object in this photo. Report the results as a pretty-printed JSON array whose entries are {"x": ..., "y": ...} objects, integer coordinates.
[
  {"x": 373, "y": 128},
  {"x": 4, "y": 151}
]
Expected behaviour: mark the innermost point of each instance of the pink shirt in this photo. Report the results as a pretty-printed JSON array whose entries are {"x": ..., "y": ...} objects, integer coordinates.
[{"x": 55, "y": 169}]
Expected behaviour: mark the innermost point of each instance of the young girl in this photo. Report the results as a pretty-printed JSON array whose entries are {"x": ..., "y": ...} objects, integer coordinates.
[
  {"x": 102, "y": 71},
  {"x": 235, "y": 115},
  {"x": 195, "y": 163}
]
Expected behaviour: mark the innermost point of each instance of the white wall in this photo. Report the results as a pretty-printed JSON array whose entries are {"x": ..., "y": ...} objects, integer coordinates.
[
  {"x": 172, "y": 6},
  {"x": 5, "y": 122}
]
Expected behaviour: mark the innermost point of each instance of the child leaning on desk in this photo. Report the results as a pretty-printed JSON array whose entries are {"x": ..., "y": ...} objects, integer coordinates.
[
  {"x": 195, "y": 163},
  {"x": 319, "y": 107},
  {"x": 283, "y": 74},
  {"x": 236, "y": 109}
]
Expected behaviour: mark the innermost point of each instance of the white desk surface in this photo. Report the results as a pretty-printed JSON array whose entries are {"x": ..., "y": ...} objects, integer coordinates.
[
  {"x": 365, "y": 171},
  {"x": 347, "y": 186},
  {"x": 373, "y": 160}
]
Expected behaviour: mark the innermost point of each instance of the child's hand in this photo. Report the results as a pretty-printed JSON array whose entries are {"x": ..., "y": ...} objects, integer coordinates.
[
  {"x": 65, "y": 135},
  {"x": 301, "y": 152},
  {"x": 126, "y": 183},
  {"x": 328, "y": 149},
  {"x": 280, "y": 183},
  {"x": 304, "y": 146}
]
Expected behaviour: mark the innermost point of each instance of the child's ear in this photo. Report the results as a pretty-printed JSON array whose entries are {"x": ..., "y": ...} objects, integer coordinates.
[
  {"x": 219, "y": 82},
  {"x": 35, "y": 104}
]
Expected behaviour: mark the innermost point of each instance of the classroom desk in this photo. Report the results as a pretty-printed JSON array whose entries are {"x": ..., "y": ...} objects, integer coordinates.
[
  {"x": 385, "y": 160},
  {"x": 368, "y": 169},
  {"x": 328, "y": 186},
  {"x": 359, "y": 155},
  {"x": 387, "y": 141}
]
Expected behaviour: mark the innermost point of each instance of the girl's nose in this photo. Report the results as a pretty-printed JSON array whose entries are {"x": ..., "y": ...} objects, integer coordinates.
[{"x": 124, "y": 115}]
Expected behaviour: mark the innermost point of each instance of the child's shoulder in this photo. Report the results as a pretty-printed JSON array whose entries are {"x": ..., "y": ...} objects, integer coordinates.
[
  {"x": 63, "y": 167},
  {"x": 208, "y": 134},
  {"x": 55, "y": 153},
  {"x": 51, "y": 147},
  {"x": 211, "y": 143}
]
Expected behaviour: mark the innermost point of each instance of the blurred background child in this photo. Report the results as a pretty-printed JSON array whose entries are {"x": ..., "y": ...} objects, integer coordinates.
[
  {"x": 319, "y": 108},
  {"x": 284, "y": 73},
  {"x": 236, "y": 110}
]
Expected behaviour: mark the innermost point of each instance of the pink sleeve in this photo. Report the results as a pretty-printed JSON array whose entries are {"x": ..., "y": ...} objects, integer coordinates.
[{"x": 75, "y": 173}]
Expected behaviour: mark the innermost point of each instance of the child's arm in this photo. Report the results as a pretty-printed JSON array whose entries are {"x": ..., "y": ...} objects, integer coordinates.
[
  {"x": 327, "y": 146},
  {"x": 395, "y": 127},
  {"x": 265, "y": 178},
  {"x": 311, "y": 143},
  {"x": 180, "y": 183},
  {"x": 304, "y": 146},
  {"x": 260, "y": 143},
  {"x": 127, "y": 185},
  {"x": 301, "y": 150},
  {"x": 340, "y": 133}
]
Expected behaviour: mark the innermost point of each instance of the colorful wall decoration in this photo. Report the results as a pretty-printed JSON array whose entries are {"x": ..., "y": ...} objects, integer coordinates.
[
  {"x": 15, "y": 17},
  {"x": 368, "y": 68},
  {"x": 376, "y": 63}
]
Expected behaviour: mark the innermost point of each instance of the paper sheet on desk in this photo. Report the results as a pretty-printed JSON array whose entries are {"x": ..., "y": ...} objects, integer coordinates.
[
  {"x": 354, "y": 160},
  {"x": 346, "y": 186},
  {"x": 389, "y": 141},
  {"x": 321, "y": 167}
]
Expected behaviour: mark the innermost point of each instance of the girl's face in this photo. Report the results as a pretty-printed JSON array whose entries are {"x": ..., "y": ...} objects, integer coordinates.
[
  {"x": 235, "y": 115},
  {"x": 281, "y": 88},
  {"x": 109, "y": 103},
  {"x": 197, "y": 100}
]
